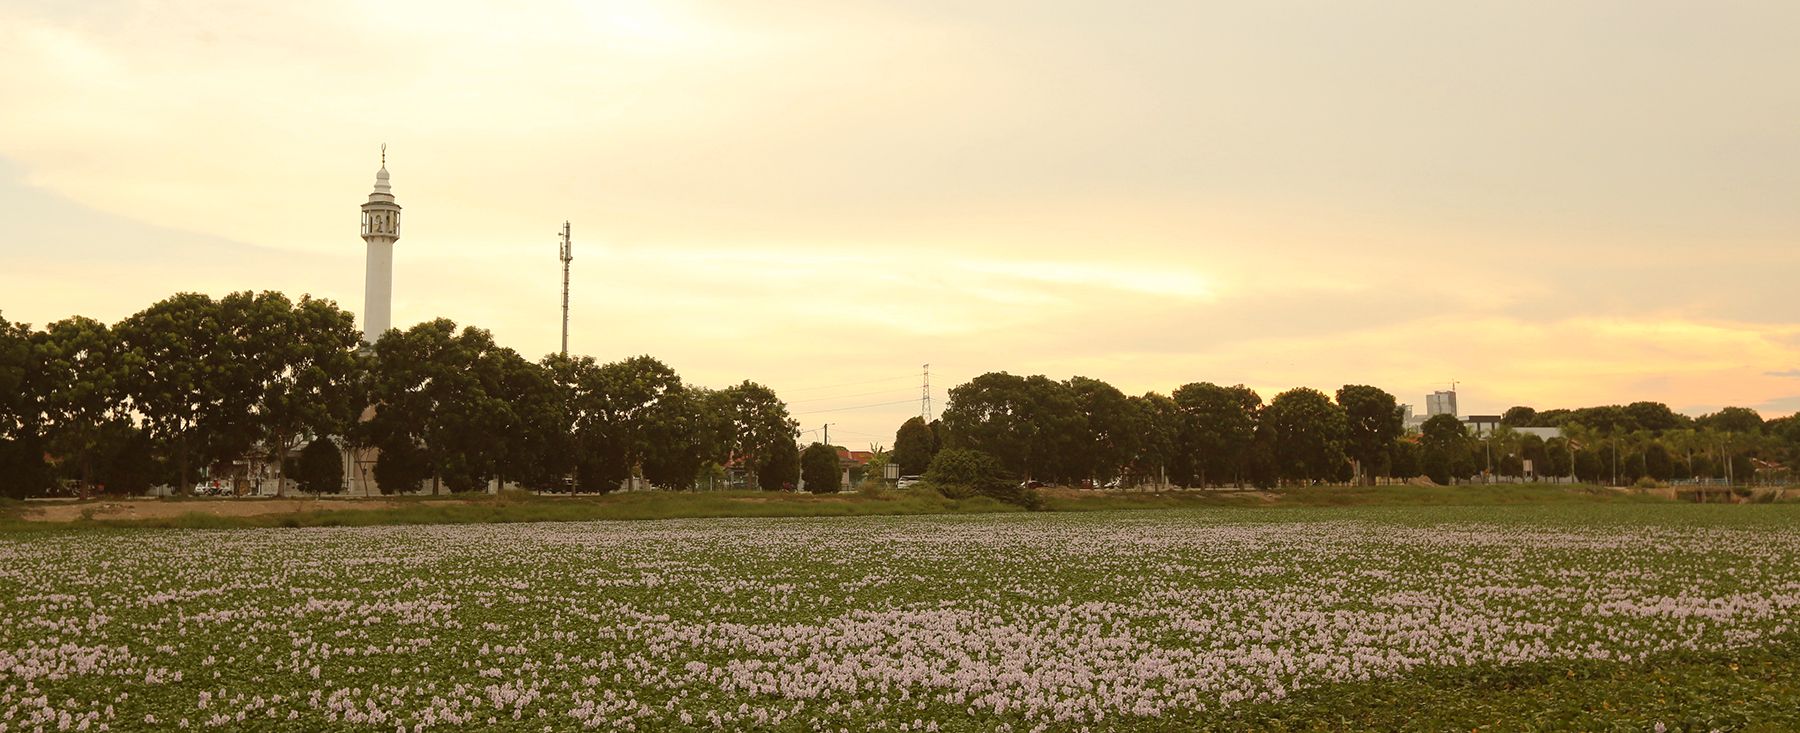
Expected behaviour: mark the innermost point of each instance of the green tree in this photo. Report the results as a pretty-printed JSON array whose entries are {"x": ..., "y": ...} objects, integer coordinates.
[
  {"x": 440, "y": 390},
  {"x": 682, "y": 445},
  {"x": 80, "y": 394},
  {"x": 1519, "y": 416},
  {"x": 961, "y": 473},
  {"x": 1558, "y": 458},
  {"x": 758, "y": 427},
  {"x": 1158, "y": 425},
  {"x": 1218, "y": 428},
  {"x": 819, "y": 470},
  {"x": 1655, "y": 417},
  {"x": 779, "y": 467},
  {"x": 320, "y": 467},
  {"x": 1309, "y": 432},
  {"x": 1110, "y": 440},
  {"x": 1373, "y": 421},
  {"x": 1444, "y": 443},
  {"x": 178, "y": 362},
  {"x": 302, "y": 369},
  {"x": 914, "y": 445},
  {"x": 1531, "y": 448},
  {"x": 1740, "y": 420},
  {"x": 1031, "y": 425},
  {"x": 1404, "y": 458},
  {"x": 400, "y": 466},
  {"x": 534, "y": 447}
]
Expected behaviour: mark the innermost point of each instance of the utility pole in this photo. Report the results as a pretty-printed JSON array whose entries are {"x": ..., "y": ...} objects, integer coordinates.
[
  {"x": 827, "y": 434},
  {"x": 568, "y": 255},
  {"x": 925, "y": 396}
]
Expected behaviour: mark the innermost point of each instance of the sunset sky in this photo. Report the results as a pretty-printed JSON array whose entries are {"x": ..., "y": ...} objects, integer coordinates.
[{"x": 1554, "y": 203}]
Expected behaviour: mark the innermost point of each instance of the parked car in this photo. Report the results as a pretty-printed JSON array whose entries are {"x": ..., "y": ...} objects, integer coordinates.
[{"x": 907, "y": 482}]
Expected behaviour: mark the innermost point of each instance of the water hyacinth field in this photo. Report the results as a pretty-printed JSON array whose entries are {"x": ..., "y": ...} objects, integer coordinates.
[{"x": 1148, "y": 620}]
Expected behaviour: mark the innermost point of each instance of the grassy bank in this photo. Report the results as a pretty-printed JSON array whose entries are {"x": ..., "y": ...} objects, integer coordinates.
[{"x": 522, "y": 507}]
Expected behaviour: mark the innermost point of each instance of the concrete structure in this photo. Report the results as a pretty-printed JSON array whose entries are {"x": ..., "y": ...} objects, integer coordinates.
[
  {"x": 1440, "y": 403},
  {"x": 1480, "y": 425},
  {"x": 380, "y": 229}
]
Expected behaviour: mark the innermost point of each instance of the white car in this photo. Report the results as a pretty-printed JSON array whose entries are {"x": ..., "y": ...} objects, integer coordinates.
[{"x": 907, "y": 482}]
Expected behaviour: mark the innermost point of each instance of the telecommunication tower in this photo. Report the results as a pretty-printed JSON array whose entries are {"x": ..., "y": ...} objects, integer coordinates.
[{"x": 568, "y": 255}]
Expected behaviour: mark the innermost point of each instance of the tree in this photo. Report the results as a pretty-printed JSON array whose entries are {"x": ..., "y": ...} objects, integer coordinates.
[
  {"x": 1373, "y": 421},
  {"x": 1583, "y": 439},
  {"x": 181, "y": 377},
  {"x": 682, "y": 444},
  {"x": 1158, "y": 426},
  {"x": 1558, "y": 458},
  {"x": 757, "y": 427},
  {"x": 1655, "y": 417},
  {"x": 1110, "y": 440},
  {"x": 914, "y": 446},
  {"x": 961, "y": 473},
  {"x": 23, "y": 471},
  {"x": 1029, "y": 424},
  {"x": 1309, "y": 432},
  {"x": 1444, "y": 444},
  {"x": 127, "y": 461},
  {"x": 320, "y": 468},
  {"x": 400, "y": 466},
  {"x": 1218, "y": 428},
  {"x": 1531, "y": 448},
  {"x": 1658, "y": 461},
  {"x": 79, "y": 395},
  {"x": 779, "y": 468},
  {"x": 440, "y": 391},
  {"x": 535, "y": 446},
  {"x": 1404, "y": 456},
  {"x": 819, "y": 469},
  {"x": 1741, "y": 420},
  {"x": 1519, "y": 416},
  {"x": 305, "y": 377}
]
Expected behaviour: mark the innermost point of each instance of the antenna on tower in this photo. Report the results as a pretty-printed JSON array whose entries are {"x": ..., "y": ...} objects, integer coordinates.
[
  {"x": 925, "y": 396},
  {"x": 567, "y": 255}
]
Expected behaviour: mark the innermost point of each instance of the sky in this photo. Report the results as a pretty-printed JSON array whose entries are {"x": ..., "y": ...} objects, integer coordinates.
[{"x": 1555, "y": 204}]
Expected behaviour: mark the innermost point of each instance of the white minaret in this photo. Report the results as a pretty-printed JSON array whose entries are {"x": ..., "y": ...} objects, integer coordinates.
[{"x": 380, "y": 228}]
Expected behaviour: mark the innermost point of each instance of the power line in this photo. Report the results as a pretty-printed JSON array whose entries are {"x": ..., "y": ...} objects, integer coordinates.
[
  {"x": 842, "y": 396},
  {"x": 848, "y": 384},
  {"x": 857, "y": 407}
]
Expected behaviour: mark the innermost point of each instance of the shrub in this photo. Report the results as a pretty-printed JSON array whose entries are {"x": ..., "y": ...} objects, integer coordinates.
[
  {"x": 819, "y": 469},
  {"x": 961, "y": 473},
  {"x": 320, "y": 469}
]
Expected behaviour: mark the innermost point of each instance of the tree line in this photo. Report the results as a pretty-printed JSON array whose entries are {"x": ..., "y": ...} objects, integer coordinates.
[
  {"x": 193, "y": 381},
  {"x": 1085, "y": 431}
]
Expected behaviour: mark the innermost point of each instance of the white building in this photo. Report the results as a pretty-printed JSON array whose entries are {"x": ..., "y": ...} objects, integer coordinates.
[{"x": 380, "y": 229}]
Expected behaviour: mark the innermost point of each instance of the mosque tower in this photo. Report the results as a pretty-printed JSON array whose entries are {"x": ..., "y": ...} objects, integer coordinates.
[{"x": 380, "y": 229}]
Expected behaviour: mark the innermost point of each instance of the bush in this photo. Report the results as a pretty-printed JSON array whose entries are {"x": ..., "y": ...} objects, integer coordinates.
[
  {"x": 961, "y": 473},
  {"x": 1648, "y": 483},
  {"x": 819, "y": 469},
  {"x": 320, "y": 469}
]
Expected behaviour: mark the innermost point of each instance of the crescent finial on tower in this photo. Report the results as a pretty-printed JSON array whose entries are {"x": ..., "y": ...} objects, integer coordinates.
[{"x": 384, "y": 155}]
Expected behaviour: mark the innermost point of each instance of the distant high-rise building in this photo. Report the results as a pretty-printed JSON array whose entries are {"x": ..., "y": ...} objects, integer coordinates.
[{"x": 1440, "y": 403}]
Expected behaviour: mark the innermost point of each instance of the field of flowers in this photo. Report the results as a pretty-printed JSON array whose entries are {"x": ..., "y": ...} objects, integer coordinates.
[{"x": 1125, "y": 620}]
